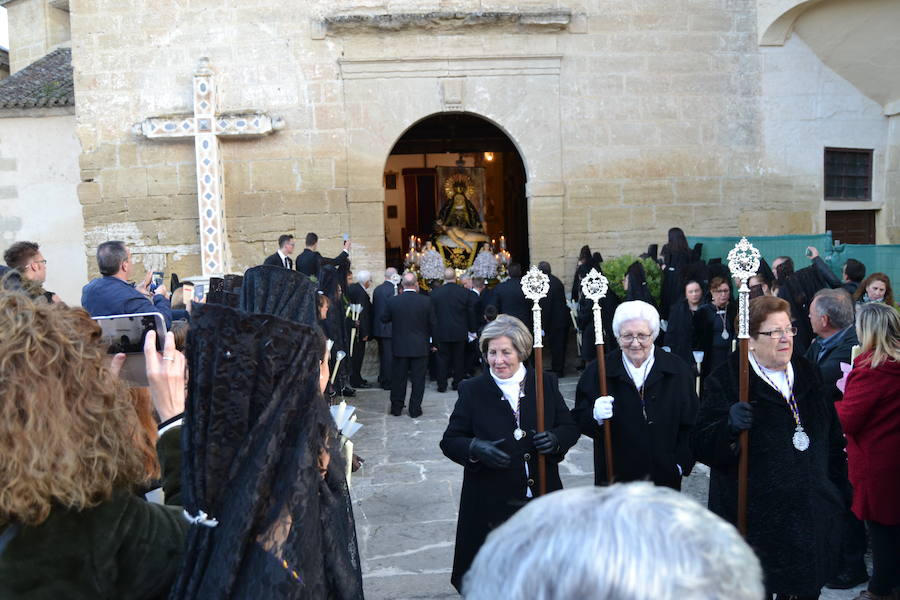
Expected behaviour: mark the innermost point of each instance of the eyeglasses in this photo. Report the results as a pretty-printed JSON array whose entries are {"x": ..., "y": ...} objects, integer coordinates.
[
  {"x": 643, "y": 338},
  {"x": 780, "y": 333},
  {"x": 722, "y": 291},
  {"x": 43, "y": 261}
]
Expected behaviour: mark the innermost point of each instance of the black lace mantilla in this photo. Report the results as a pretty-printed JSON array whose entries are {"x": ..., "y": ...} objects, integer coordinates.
[{"x": 254, "y": 427}]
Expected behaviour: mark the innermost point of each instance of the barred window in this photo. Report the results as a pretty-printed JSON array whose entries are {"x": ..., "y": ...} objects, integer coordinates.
[{"x": 848, "y": 174}]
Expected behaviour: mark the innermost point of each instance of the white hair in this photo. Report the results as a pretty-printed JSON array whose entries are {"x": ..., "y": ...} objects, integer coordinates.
[
  {"x": 632, "y": 541},
  {"x": 389, "y": 272},
  {"x": 636, "y": 310},
  {"x": 363, "y": 277}
]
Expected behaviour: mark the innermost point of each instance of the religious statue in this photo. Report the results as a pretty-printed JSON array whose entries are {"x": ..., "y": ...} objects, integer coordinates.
[
  {"x": 459, "y": 211},
  {"x": 460, "y": 236}
]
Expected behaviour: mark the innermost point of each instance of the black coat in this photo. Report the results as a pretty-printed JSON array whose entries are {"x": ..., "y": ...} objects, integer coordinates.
[
  {"x": 650, "y": 448},
  {"x": 795, "y": 500},
  {"x": 555, "y": 311},
  {"x": 704, "y": 330},
  {"x": 310, "y": 262},
  {"x": 672, "y": 279},
  {"x": 680, "y": 334},
  {"x": 273, "y": 260},
  {"x": 510, "y": 300},
  {"x": 491, "y": 496},
  {"x": 380, "y": 296},
  {"x": 487, "y": 297},
  {"x": 412, "y": 316},
  {"x": 830, "y": 363},
  {"x": 357, "y": 294},
  {"x": 454, "y": 308}
]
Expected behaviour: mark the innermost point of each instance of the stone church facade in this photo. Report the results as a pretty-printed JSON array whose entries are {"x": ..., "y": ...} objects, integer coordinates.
[{"x": 630, "y": 116}]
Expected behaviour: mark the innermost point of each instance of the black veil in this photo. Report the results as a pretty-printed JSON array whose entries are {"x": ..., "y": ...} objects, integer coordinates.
[{"x": 255, "y": 426}]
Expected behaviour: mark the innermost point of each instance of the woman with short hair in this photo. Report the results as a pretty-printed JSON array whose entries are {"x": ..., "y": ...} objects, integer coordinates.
[
  {"x": 492, "y": 433},
  {"x": 870, "y": 416},
  {"x": 650, "y": 399},
  {"x": 797, "y": 486}
]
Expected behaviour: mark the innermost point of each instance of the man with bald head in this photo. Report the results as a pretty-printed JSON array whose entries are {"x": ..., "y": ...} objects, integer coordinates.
[{"x": 412, "y": 326}]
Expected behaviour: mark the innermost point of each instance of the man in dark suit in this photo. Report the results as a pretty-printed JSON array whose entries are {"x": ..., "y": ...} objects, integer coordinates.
[
  {"x": 831, "y": 317},
  {"x": 381, "y": 330},
  {"x": 282, "y": 258},
  {"x": 357, "y": 294},
  {"x": 454, "y": 309},
  {"x": 413, "y": 324},
  {"x": 555, "y": 319},
  {"x": 510, "y": 299},
  {"x": 113, "y": 295},
  {"x": 310, "y": 261},
  {"x": 486, "y": 296}
]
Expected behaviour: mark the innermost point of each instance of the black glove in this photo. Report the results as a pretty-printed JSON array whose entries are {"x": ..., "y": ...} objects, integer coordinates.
[
  {"x": 546, "y": 442},
  {"x": 489, "y": 453},
  {"x": 740, "y": 417}
]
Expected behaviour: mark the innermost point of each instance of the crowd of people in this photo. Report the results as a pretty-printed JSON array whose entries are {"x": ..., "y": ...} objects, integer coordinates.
[{"x": 261, "y": 356}]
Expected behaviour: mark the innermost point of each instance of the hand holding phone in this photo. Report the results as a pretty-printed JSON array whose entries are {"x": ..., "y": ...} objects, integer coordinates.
[
  {"x": 156, "y": 280},
  {"x": 165, "y": 375},
  {"x": 126, "y": 334}
]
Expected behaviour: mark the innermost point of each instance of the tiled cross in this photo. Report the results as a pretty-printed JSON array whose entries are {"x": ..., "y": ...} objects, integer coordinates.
[{"x": 205, "y": 127}]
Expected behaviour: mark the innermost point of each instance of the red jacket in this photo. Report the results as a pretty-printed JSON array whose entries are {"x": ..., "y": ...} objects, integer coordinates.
[{"x": 870, "y": 416}]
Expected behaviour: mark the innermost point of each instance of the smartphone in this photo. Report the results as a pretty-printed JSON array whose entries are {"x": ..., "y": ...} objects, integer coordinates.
[
  {"x": 346, "y": 237},
  {"x": 156, "y": 280},
  {"x": 126, "y": 334},
  {"x": 199, "y": 292},
  {"x": 187, "y": 291}
]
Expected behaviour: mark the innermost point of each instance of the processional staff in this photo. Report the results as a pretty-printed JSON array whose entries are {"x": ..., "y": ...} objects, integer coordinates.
[
  {"x": 535, "y": 286},
  {"x": 593, "y": 287},
  {"x": 743, "y": 261}
]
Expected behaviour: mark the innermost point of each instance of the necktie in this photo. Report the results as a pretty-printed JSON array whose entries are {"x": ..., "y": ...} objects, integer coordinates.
[{"x": 287, "y": 262}]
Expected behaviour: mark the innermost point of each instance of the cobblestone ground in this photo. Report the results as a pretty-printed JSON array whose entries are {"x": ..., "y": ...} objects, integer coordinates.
[{"x": 406, "y": 496}]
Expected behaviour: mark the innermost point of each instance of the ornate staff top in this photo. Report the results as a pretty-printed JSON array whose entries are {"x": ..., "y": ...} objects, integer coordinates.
[
  {"x": 594, "y": 286},
  {"x": 535, "y": 286},
  {"x": 743, "y": 261}
]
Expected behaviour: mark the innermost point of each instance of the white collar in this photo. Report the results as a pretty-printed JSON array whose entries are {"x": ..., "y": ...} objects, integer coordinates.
[
  {"x": 639, "y": 374},
  {"x": 282, "y": 255},
  {"x": 511, "y": 385},
  {"x": 780, "y": 381}
]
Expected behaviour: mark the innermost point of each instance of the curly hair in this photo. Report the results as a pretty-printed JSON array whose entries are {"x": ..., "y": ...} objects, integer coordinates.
[
  {"x": 883, "y": 278},
  {"x": 68, "y": 427}
]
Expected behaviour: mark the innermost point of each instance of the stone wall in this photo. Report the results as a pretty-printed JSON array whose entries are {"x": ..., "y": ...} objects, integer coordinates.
[
  {"x": 631, "y": 117},
  {"x": 38, "y": 175},
  {"x": 39, "y": 27}
]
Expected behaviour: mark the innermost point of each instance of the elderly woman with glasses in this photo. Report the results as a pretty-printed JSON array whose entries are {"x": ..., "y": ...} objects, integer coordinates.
[
  {"x": 797, "y": 485},
  {"x": 492, "y": 434},
  {"x": 650, "y": 401}
]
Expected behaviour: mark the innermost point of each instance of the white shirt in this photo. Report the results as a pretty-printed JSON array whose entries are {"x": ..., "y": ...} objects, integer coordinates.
[
  {"x": 282, "y": 255},
  {"x": 638, "y": 374},
  {"x": 780, "y": 381}
]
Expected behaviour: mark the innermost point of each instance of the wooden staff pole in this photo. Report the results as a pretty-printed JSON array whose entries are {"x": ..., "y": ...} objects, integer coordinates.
[
  {"x": 594, "y": 286},
  {"x": 743, "y": 261},
  {"x": 535, "y": 286},
  {"x": 744, "y": 440}
]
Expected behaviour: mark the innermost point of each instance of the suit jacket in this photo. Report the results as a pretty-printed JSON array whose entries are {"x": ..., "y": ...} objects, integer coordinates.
[
  {"x": 511, "y": 300},
  {"x": 555, "y": 311},
  {"x": 454, "y": 308},
  {"x": 358, "y": 295},
  {"x": 487, "y": 297},
  {"x": 412, "y": 316},
  {"x": 310, "y": 262},
  {"x": 830, "y": 362},
  {"x": 273, "y": 260},
  {"x": 380, "y": 296},
  {"x": 111, "y": 296}
]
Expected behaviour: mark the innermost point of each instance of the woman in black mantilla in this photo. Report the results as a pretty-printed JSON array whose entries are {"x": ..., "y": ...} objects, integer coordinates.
[
  {"x": 492, "y": 434},
  {"x": 797, "y": 486},
  {"x": 714, "y": 326},
  {"x": 676, "y": 255}
]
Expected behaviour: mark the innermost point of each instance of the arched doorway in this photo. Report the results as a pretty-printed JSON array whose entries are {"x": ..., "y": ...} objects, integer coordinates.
[{"x": 455, "y": 147}]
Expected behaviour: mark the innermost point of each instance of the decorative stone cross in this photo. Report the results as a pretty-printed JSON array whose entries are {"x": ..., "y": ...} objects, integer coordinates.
[{"x": 205, "y": 127}]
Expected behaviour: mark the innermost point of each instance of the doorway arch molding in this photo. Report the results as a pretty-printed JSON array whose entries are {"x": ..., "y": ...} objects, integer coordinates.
[{"x": 383, "y": 98}]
